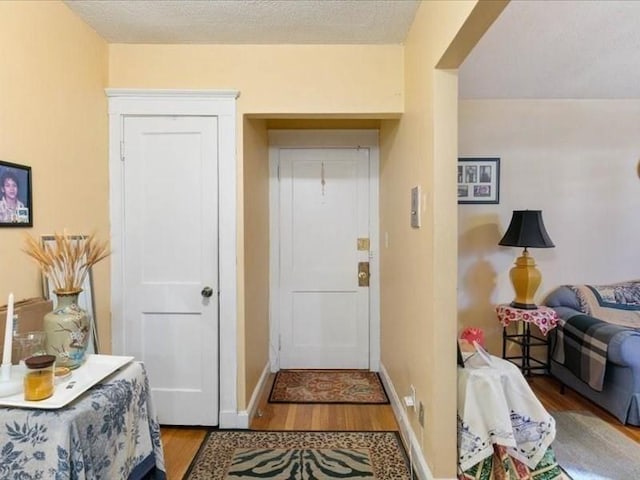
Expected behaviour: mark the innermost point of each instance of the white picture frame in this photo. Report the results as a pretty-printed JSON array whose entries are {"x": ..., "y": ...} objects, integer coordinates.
[{"x": 85, "y": 299}]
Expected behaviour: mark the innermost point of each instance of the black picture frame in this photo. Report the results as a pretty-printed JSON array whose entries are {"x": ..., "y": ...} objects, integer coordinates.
[
  {"x": 479, "y": 180},
  {"x": 17, "y": 179}
]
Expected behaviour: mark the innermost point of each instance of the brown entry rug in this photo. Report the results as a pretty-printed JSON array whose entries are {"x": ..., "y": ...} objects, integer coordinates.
[
  {"x": 242, "y": 454},
  {"x": 327, "y": 386}
]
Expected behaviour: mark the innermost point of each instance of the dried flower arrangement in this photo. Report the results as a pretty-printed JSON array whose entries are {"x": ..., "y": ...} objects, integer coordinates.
[{"x": 66, "y": 262}]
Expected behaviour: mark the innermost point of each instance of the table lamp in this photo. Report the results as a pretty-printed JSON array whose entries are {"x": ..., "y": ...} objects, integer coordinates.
[{"x": 526, "y": 230}]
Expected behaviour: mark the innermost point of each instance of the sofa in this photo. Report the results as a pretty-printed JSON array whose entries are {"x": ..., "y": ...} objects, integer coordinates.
[{"x": 595, "y": 349}]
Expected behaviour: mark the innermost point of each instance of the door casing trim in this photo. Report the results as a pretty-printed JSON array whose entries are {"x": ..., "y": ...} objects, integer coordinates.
[
  {"x": 221, "y": 104},
  {"x": 356, "y": 138}
]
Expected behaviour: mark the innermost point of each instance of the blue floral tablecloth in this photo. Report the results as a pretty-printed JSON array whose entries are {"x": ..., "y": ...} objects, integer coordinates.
[{"x": 110, "y": 432}]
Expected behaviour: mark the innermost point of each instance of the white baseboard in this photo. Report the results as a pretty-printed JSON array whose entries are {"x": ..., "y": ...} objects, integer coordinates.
[
  {"x": 230, "y": 419},
  {"x": 242, "y": 419},
  {"x": 245, "y": 416},
  {"x": 409, "y": 438}
]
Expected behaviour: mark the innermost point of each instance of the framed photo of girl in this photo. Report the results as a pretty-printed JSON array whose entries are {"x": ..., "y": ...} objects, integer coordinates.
[{"x": 16, "y": 207}]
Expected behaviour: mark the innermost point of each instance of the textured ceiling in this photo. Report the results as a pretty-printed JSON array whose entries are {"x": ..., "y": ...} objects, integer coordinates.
[
  {"x": 557, "y": 49},
  {"x": 535, "y": 49},
  {"x": 249, "y": 21}
]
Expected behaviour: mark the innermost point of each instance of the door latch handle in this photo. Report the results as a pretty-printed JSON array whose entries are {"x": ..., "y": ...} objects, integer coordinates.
[
  {"x": 206, "y": 292},
  {"x": 363, "y": 274}
]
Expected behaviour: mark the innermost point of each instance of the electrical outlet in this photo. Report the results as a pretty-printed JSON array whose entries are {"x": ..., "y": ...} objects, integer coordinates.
[
  {"x": 412, "y": 390},
  {"x": 421, "y": 414}
]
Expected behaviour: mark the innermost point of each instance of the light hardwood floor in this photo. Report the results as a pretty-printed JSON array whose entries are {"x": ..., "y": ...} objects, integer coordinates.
[
  {"x": 547, "y": 389},
  {"x": 181, "y": 444}
]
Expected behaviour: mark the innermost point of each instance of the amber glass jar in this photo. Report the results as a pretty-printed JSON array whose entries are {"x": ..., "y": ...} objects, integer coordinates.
[{"x": 38, "y": 379}]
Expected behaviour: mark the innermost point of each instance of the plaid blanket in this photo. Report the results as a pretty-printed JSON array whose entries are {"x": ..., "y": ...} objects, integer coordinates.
[{"x": 581, "y": 346}]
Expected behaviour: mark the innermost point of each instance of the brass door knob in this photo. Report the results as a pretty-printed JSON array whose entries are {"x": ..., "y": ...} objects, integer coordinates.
[{"x": 363, "y": 274}]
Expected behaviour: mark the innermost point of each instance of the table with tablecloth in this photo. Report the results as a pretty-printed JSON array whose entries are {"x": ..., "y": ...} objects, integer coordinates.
[
  {"x": 109, "y": 432},
  {"x": 502, "y": 426}
]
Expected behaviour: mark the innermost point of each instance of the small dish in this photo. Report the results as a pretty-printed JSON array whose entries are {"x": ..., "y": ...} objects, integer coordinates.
[{"x": 61, "y": 373}]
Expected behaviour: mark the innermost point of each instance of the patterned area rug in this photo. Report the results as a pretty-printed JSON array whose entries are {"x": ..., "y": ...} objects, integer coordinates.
[
  {"x": 238, "y": 454},
  {"x": 588, "y": 448},
  {"x": 327, "y": 386}
]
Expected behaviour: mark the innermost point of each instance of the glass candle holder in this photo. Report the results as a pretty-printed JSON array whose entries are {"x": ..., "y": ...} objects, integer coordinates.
[{"x": 28, "y": 344}]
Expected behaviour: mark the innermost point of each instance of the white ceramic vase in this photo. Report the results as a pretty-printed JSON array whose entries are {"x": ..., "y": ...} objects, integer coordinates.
[{"x": 67, "y": 330}]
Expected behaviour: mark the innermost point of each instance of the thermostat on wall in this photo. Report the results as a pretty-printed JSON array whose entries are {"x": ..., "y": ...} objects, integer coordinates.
[{"x": 415, "y": 207}]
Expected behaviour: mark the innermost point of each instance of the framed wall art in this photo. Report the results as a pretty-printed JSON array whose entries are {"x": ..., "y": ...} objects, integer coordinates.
[
  {"x": 16, "y": 206},
  {"x": 478, "y": 180}
]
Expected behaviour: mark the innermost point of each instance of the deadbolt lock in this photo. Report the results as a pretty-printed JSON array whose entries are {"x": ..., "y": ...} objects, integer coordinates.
[{"x": 363, "y": 243}]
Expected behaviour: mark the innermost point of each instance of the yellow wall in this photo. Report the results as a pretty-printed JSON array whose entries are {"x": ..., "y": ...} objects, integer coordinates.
[
  {"x": 256, "y": 251},
  {"x": 284, "y": 79},
  {"x": 418, "y": 266},
  {"x": 274, "y": 81},
  {"x": 53, "y": 70},
  {"x": 323, "y": 123}
]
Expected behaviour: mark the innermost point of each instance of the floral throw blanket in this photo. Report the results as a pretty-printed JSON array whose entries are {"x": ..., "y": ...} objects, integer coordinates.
[{"x": 617, "y": 303}]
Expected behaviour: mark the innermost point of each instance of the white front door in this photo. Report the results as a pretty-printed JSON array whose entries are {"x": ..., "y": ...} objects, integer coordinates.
[
  {"x": 170, "y": 261},
  {"x": 323, "y": 211}
]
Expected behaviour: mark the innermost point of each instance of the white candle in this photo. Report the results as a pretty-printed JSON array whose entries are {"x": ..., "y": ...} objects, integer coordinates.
[{"x": 8, "y": 333}]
